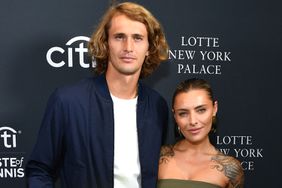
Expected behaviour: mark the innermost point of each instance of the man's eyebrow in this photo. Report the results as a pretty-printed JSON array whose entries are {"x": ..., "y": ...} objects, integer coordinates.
[
  {"x": 119, "y": 34},
  {"x": 138, "y": 35}
]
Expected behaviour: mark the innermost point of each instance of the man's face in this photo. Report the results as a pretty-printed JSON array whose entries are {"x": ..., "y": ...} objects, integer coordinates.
[{"x": 128, "y": 46}]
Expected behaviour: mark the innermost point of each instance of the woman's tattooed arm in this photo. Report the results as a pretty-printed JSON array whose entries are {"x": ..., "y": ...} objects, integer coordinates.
[
  {"x": 166, "y": 152},
  {"x": 231, "y": 169}
]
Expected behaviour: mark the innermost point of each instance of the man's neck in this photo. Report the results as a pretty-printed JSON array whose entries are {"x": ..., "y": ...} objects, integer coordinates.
[{"x": 124, "y": 87}]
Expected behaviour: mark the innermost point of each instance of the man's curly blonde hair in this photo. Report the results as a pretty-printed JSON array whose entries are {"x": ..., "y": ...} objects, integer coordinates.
[{"x": 158, "y": 47}]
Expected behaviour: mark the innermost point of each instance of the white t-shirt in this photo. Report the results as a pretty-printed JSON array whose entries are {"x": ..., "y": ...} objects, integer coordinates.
[{"x": 126, "y": 153}]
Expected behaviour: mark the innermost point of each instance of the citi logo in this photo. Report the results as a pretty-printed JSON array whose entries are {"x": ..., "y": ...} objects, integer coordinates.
[
  {"x": 81, "y": 49},
  {"x": 8, "y": 137}
]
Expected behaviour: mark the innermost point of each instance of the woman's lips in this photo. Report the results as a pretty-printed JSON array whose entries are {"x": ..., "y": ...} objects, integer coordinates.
[{"x": 195, "y": 130}]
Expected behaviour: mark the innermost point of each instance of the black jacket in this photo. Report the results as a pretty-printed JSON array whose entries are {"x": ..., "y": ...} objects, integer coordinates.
[{"x": 76, "y": 139}]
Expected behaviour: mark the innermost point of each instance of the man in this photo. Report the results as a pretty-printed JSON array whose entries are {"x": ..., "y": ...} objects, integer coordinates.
[{"x": 107, "y": 131}]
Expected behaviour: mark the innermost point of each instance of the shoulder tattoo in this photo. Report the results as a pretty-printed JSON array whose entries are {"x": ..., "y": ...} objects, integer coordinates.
[
  {"x": 231, "y": 168},
  {"x": 166, "y": 153}
]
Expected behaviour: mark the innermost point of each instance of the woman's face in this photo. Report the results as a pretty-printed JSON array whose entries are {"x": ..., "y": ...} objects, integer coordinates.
[{"x": 193, "y": 113}]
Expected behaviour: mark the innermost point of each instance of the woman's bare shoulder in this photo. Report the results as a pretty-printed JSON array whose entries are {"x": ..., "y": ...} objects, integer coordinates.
[
  {"x": 231, "y": 168},
  {"x": 166, "y": 153}
]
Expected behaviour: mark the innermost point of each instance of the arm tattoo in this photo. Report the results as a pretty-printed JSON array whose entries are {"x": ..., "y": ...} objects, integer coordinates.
[
  {"x": 231, "y": 168},
  {"x": 166, "y": 152}
]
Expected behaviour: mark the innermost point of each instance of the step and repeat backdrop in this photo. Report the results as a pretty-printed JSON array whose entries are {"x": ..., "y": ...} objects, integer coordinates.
[{"x": 235, "y": 45}]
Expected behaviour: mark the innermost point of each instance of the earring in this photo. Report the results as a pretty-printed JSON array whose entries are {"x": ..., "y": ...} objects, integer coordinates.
[
  {"x": 179, "y": 132},
  {"x": 213, "y": 119},
  {"x": 213, "y": 129}
]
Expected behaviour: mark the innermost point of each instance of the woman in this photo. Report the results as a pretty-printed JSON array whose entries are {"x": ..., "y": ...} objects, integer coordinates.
[{"x": 194, "y": 162}]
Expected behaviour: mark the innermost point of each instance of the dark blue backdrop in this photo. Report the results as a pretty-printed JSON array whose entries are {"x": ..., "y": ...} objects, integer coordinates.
[{"x": 236, "y": 45}]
